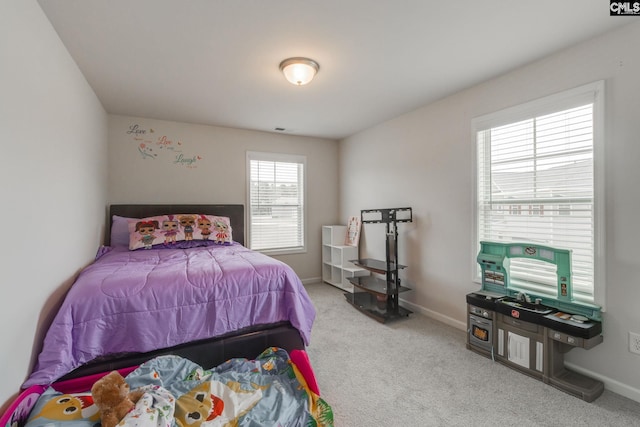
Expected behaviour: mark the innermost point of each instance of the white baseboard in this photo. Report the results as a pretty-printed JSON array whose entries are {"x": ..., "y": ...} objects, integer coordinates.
[
  {"x": 435, "y": 315},
  {"x": 310, "y": 280},
  {"x": 609, "y": 384}
]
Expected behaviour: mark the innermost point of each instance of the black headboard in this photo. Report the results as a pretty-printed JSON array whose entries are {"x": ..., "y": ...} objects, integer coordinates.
[{"x": 234, "y": 212}]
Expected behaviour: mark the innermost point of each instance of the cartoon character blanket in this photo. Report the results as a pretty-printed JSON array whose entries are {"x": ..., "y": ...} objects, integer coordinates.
[{"x": 267, "y": 391}]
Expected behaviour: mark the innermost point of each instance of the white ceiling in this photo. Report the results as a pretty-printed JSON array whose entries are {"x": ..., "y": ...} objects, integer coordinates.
[{"x": 215, "y": 62}]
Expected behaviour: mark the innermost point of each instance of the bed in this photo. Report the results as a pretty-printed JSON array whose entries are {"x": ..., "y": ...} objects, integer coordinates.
[{"x": 205, "y": 303}]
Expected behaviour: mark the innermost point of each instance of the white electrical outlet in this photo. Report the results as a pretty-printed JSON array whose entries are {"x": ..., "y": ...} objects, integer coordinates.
[{"x": 634, "y": 343}]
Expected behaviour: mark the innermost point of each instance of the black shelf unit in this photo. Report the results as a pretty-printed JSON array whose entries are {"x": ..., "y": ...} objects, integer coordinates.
[{"x": 378, "y": 295}]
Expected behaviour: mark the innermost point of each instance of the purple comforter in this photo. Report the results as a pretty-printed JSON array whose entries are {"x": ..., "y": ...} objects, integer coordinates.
[{"x": 139, "y": 301}]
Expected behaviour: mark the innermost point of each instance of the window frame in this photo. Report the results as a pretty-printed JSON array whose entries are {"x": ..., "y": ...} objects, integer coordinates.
[
  {"x": 284, "y": 158},
  {"x": 592, "y": 92}
]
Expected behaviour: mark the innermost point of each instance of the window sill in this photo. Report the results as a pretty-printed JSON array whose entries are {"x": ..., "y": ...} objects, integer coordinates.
[{"x": 288, "y": 251}]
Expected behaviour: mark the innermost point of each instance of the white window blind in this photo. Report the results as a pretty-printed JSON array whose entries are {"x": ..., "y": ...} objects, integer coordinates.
[
  {"x": 536, "y": 183},
  {"x": 276, "y": 202}
]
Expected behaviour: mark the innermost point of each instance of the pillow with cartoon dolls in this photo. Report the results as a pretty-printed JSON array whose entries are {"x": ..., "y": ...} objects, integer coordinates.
[{"x": 180, "y": 231}]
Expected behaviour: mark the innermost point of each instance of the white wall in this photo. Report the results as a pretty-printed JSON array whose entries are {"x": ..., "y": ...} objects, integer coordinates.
[
  {"x": 218, "y": 174},
  {"x": 53, "y": 181},
  {"x": 423, "y": 159}
]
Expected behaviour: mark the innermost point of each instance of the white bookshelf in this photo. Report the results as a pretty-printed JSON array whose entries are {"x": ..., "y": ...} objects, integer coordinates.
[{"x": 336, "y": 268}]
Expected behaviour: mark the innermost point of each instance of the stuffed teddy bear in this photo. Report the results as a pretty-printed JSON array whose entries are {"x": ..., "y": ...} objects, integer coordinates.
[{"x": 112, "y": 396}]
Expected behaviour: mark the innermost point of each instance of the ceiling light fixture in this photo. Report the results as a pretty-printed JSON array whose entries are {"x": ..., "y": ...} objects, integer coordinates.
[{"x": 299, "y": 71}]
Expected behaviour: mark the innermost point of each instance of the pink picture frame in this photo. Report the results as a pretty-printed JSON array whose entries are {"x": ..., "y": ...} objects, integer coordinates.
[{"x": 353, "y": 231}]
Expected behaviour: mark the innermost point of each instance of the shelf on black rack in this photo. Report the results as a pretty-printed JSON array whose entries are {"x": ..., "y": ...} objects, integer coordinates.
[
  {"x": 379, "y": 310},
  {"x": 378, "y": 296},
  {"x": 375, "y": 284},
  {"x": 376, "y": 265}
]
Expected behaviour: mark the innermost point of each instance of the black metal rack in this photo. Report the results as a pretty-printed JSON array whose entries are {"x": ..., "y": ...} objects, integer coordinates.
[{"x": 378, "y": 296}]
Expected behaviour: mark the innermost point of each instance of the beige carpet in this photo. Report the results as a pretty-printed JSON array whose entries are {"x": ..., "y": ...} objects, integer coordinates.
[{"x": 418, "y": 372}]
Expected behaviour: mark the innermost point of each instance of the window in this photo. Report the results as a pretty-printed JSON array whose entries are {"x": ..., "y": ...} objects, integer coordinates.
[
  {"x": 544, "y": 159},
  {"x": 276, "y": 202}
]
